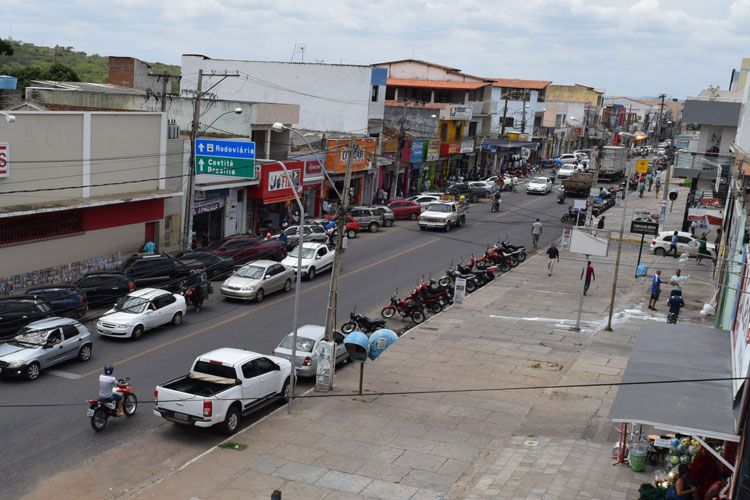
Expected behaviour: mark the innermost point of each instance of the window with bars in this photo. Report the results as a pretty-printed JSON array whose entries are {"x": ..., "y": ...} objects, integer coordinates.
[{"x": 40, "y": 227}]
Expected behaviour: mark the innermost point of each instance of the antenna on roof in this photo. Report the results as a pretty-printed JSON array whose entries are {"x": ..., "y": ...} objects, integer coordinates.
[{"x": 300, "y": 48}]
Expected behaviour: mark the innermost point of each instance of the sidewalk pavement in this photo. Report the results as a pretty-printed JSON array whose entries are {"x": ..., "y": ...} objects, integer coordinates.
[{"x": 546, "y": 443}]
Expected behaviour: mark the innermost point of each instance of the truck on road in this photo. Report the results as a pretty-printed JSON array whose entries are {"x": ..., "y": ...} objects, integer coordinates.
[
  {"x": 614, "y": 161},
  {"x": 223, "y": 386},
  {"x": 578, "y": 184},
  {"x": 443, "y": 215}
]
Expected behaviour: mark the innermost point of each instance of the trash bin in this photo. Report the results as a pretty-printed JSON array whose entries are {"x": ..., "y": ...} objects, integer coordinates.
[
  {"x": 637, "y": 458},
  {"x": 642, "y": 270}
]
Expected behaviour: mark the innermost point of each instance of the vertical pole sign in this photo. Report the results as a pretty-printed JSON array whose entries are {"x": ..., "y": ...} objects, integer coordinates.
[{"x": 4, "y": 159}]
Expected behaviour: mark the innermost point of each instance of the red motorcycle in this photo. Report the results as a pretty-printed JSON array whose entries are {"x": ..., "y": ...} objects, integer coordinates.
[
  {"x": 411, "y": 309},
  {"x": 101, "y": 409},
  {"x": 433, "y": 301}
]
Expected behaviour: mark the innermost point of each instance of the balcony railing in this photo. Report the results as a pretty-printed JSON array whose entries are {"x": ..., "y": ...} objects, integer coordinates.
[{"x": 702, "y": 161}]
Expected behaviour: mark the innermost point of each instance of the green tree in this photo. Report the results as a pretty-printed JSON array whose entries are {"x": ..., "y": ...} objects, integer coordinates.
[
  {"x": 26, "y": 74},
  {"x": 6, "y": 49},
  {"x": 61, "y": 73}
]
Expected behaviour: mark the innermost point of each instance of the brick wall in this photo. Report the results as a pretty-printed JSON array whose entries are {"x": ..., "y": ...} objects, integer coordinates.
[{"x": 121, "y": 71}]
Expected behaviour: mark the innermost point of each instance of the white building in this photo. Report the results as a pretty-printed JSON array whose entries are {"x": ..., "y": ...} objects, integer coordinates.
[{"x": 525, "y": 105}]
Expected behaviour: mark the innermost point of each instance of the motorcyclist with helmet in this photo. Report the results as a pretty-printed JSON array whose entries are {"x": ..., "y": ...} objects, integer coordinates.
[
  {"x": 192, "y": 289},
  {"x": 108, "y": 388},
  {"x": 496, "y": 202}
]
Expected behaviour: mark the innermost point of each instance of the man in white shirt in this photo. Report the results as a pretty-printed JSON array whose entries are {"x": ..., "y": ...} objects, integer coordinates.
[
  {"x": 107, "y": 388},
  {"x": 536, "y": 232}
]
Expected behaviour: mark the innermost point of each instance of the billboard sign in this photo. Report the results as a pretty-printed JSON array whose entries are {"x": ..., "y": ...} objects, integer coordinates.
[
  {"x": 227, "y": 158},
  {"x": 645, "y": 221}
]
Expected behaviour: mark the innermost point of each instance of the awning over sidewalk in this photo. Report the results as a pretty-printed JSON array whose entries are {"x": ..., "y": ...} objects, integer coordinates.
[{"x": 676, "y": 352}]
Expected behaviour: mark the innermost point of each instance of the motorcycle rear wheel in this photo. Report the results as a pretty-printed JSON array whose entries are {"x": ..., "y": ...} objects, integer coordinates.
[
  {"x": 388, "y": 312},
  {"x": 348, "y": 327},
  {"x": 521, "y": 256},
  {"x": 505, "y": 266},
  {"x": 436, "y": 307},
  {"x": 471, "y": 286},
  {"x": 444, "y": 281},
  {"x": 513, "y": 261},
  {"x": 130, "y": 405},
  {"x": 417, "y": 317},
  {"x": 99, "y": 419}
]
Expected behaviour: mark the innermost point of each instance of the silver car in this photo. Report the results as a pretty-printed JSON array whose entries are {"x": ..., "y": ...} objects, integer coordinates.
[
  {"x": 42, "y": 344},
  {"x": 257, "y": 279},
  {"x": 308, "y": 349}
]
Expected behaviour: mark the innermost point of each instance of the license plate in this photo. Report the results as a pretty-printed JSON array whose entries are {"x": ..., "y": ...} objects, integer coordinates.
[
  {"x": 181, "y": 416},
  {"x": 90, "y": 413}
]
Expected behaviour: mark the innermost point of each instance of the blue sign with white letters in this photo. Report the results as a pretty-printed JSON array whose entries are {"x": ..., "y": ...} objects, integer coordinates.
[{"x": 225, "y": 149}]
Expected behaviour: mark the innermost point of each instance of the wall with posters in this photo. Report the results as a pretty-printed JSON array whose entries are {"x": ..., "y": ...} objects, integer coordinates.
[{"x": 741, "y": 326}]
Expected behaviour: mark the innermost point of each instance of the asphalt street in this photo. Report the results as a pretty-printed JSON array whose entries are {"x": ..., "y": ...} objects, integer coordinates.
[{"x": 49, "y": 433}]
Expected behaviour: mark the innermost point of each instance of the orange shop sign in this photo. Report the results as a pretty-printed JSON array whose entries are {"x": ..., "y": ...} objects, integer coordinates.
[{"x": 337, "y": 154}]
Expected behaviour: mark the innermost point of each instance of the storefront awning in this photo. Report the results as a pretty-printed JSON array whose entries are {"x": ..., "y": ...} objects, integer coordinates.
[
  {"x": 507, "y": 144},
  {"x": 678, "y": 352}
]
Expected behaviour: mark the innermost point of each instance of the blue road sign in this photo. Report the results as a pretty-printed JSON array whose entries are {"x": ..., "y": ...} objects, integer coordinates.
[{"x": 225, "y": 149}]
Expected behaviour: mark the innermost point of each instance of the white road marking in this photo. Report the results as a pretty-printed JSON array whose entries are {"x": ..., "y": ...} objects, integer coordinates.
[{"x": 60, "y": 373}]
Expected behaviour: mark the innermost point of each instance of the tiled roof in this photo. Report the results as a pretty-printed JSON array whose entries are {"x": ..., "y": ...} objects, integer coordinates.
[
  {"x": 435, "y": 84},
  {"x": 514, "y": 83}
]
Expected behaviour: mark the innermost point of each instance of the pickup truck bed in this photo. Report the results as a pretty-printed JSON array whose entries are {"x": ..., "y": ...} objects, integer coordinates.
[{"x": 196, "y": 387}]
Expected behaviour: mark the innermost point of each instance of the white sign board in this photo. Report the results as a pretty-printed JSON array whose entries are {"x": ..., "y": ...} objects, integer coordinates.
[
  {"x": 579, "y": 204},
  {"x": 4, "y": 159},
  {"x": 589, "y": 241},
  {"x": 278, "y": 180},
  {"x": 741, "y": 328},
  {"x": 459, "y": 292}
]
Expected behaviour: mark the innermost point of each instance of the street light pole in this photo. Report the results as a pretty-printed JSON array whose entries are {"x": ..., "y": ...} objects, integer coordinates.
[
  {"x": 188, "y": 222},
  {"x": 619, "y": 251}
]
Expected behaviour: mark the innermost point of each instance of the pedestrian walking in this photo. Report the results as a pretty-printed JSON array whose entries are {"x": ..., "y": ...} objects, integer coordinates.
[
  {"x": 675, "y": 303},
  {"x": 536, "y": 232},
  {"x": 650, "y": 181},
  {"x": 673, "y": 245},
  {"x": 657, "y": 188},
  {"x": 641, "y": 188},
  {"x": 702, "y": 248},
  {"x": 590, "y": 275},
  {"x": 426, "y": 184},
  {"x": 600, "y": 224},
  {"x": 326, "y": 206},
  {"x": 554, "y": 256},
  {"x": 693, "y": 226},
  {"x": 676, "y": 281},
  {"x": 655, "y": 290}
]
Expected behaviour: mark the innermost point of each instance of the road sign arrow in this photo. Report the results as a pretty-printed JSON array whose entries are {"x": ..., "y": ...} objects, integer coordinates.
[
  {"x": 200, "y": 147},
  {"x": 200, "y": 162}
]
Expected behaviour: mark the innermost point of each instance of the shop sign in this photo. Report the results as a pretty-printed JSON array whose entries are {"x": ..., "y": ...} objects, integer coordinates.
[
  {"x": 741, "y": 328},
  {"x": 338, "y": 154},
  {"x": 4, "y": 159},
  {"x": 433, "y": 150},
  {"x": 696, "y": 214},
  {"x": 578, "y": 131},
  {"x": 390, "y": 146},
  {"x": 513, "y": 136},
  {"x": 313, "y": 169},
  {"x": 417, "y": 151},
  {"x": 227, "y": 158},
  {"x": 278, "y": 180},
  {"x": 467, "y": 146},
  {"x": 450, "y": 148},
  {"x": 456, "y": 113},
  {"x": 204, "y": 206}
]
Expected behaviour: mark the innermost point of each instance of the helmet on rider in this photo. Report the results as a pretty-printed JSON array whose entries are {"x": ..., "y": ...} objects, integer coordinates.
[{"x": 108, "y": 369}]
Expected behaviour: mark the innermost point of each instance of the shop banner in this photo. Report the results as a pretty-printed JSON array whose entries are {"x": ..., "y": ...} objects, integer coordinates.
[
  {"x": 204, "y": 206},
  {"x": 417, "y": 151},
  {"x": 741, "y": 327},
  {"x": 450, "y": 148},
  {"x": 433, "y": 150},
  {"x": 338, "y": 154},
  {"x": 279, "y": 180},
  {"x": 467, "y": 146}
]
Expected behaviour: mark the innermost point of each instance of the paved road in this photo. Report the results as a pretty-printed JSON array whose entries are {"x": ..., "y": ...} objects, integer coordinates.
[{"x": 43, "y": 441}]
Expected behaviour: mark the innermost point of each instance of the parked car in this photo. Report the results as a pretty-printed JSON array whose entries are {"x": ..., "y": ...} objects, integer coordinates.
[
  {"x": 142, "y": 310},
  {"x": 64, "y": 299},
  {"x": 103, "y": 288},
  {"x": 352, "y": 227},
  {"x": 20, "y": 310},
  {"x": 485, "y": 189},
  {"x": 425, "y": 200},
  {"x": 216, "y": 267},
  {"x": 221, "y": 387},
  {"x": 568, "y": 158},
  {"x": 386, "y": 214},
  {"x": 465, "y": 189},
  {"x": 539, "y": 185},
  {"x": 247, "y": 247},
  {"x": 367, "y": 217},
  {"x": 405, "y": 209},
  {"x": 316, "y": 257},
  {"x": 313, "y": 232},
  {"x": 686, "y": 242},
  {"x": 157, "y": 270},
  {"x": 308, "y": 349},
  {"x": 257, "y": 279},
  {"x": 42, "y": 344}
]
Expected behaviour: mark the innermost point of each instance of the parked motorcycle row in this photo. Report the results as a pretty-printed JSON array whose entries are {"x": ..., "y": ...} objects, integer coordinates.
[
  {"x": 600, "y": 205},
  {"x": 432, "y": 296}
]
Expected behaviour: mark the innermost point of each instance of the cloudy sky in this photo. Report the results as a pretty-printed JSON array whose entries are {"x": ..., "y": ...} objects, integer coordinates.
[{"x": 639, "y": 48}]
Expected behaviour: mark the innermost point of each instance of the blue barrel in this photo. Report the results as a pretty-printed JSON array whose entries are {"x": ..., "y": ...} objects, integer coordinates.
[{"x": 642, "y": 270}]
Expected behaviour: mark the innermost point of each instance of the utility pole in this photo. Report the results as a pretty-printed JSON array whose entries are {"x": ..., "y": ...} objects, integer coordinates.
[
  {"x": 194, "y": 133},
  {"x": 505, "y": 113},
  {"x": 598, "y": 164},
  {"x": 619, "y": 252},
  {"x": 523, "y": 120},
  {"x": 401, "y": 142},
  {"x": 166, "y": 80},
  {"x": 327, "y": 385},
  {"x": 661, "y": 110}
]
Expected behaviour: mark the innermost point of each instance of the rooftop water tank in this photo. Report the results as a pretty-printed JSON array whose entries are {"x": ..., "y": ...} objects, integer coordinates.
[{"x": 8, "y": 82}]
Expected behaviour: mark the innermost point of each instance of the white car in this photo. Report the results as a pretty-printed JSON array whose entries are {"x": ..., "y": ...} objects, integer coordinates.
[
  {"x": 686, "y": 242},
  {"x": 568, "y": 158},
  {"x": 316, "y": 257},
  {"x": 539, "y": 185},
  {"x": 424, "y": 200},
  {"x": 141, "y": 310},
  {"x": 566, "y": 171}
]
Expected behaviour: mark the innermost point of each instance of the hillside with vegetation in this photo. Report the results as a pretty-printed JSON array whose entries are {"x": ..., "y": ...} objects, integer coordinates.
[{"x": 31, "y": 62}]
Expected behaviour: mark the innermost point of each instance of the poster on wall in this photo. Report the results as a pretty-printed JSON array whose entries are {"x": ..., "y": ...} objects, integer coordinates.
[
  {"x": 741, "y": 327},
  {"x": 4, "y": 159}
]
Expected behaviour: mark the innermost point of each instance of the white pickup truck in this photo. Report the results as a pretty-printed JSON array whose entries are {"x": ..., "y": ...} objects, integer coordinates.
[
  {"x": 443, "y": 215},
  {"x": 223, "y": 386}
]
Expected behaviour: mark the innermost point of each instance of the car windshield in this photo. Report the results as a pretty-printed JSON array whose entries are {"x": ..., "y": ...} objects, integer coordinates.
[
  {"x": 30, "y": 337},
  {"x": 303, "y": 343},
  {"x": 252, "y": 272},
  {"x": 539, "y": 180},
  {"x": 307, "y": 253},
  {"x": 438, "y": 207},
  {"x": 131, "y": 304}
]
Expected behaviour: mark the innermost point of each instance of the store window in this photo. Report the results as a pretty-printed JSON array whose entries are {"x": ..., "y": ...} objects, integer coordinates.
[
  {"x": 374, "y": 94},
  {"x": 40, "y": 227}
]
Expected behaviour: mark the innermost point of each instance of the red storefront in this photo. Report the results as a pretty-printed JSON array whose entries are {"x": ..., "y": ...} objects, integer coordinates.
[{"x": 273, "y": 196}]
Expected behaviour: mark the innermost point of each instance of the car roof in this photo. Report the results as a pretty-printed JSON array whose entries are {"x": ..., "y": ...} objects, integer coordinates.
[
  {"x": 262, "y": 262},
  {"x": 679, "y": 233},
  {"x": 24, "y": 297},
  {"x": 315, "y": 332},
  {"x": 104, "y": 273},
  {"x": 148, "y": 293},
  {"x": 230, "y": 355},
  {"x": 51, "y": 323}
]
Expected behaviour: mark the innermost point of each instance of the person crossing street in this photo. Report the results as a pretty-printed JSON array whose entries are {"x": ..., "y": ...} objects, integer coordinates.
[{"x": 554, "y": 256}]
